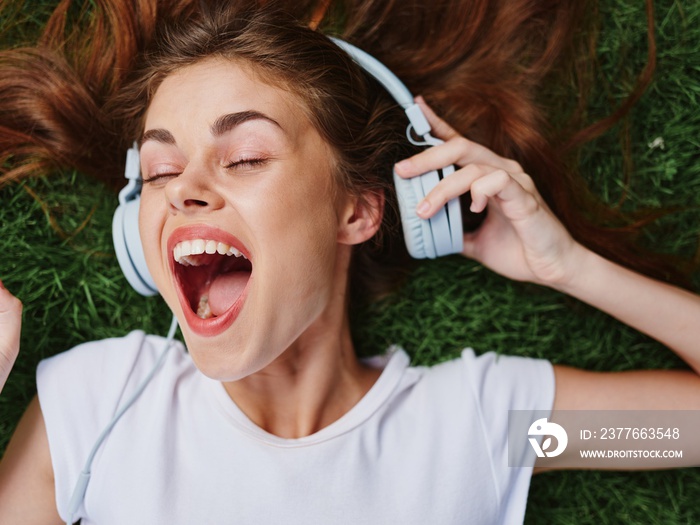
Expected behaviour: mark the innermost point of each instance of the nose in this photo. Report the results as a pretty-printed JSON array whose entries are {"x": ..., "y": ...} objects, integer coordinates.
[{"x": 193, "y": 191}]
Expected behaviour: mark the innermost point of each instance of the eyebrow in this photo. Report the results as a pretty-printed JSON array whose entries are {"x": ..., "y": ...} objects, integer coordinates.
[
  {"x": 227, "y": 122},
  {"x": 220, "y": 126},
  {"x": 158, "y": 135}
]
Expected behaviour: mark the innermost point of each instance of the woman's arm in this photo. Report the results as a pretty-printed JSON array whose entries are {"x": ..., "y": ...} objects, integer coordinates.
[
  {"x": 669, "y": 314},
  {"x": 10, "y": 324},
  {"x": 523, "y": 240},
  {"x": 26, "y": 474},
  {"x": 27, "y": 494}
]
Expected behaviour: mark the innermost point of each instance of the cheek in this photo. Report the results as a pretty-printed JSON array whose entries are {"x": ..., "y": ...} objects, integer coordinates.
[
  {"x": 146, "y": 226},
  {"x": 150, "y": 228},
  {"x": 310, "y": 234},
  {"x": 298, "y": 214},
  {"x": 315, "y": 264},
  {"x": 301, "y": 228}
]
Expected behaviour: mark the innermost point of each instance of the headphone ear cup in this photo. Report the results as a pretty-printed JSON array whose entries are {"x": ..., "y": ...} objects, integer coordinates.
[
  {"x": 129, "y": 250},
  {"x": 417, "y": 233},
  {"x": 454, "y": 213},
  {"x": 440, "y": 233}
]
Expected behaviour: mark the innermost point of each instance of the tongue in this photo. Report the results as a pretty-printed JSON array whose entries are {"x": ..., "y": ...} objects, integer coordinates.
[{"x": 225, "y": 289}]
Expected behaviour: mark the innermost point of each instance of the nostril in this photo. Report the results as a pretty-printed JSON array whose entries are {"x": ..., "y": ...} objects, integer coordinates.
[
  {"x": 195, "y": 202},
  {"x": 189, "y": 194}
]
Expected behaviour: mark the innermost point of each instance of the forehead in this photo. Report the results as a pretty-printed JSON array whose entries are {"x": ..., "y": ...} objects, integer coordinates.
[{"x": 194, "y": 96}]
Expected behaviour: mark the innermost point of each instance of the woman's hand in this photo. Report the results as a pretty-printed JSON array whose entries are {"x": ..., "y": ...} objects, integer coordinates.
[
  {"x": 520, "y": 237},
  {"x": 10, "y": 325}
]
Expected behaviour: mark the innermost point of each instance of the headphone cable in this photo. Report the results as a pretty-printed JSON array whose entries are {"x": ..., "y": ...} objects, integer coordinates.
[{"x": 84, "y": 477}]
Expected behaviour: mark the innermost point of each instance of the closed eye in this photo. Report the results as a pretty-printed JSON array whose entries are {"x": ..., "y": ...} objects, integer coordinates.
[
  {"x": 247, "y": 163},
  {"x": 159, "y": 177},
  {"x": 240, "y": 164}
]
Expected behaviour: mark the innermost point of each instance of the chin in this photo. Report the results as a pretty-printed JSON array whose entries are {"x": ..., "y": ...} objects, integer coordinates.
[{"x": 222, "y": 362}]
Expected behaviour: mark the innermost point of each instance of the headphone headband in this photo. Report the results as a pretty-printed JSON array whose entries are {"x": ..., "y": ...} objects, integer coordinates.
[
  {"x": 391, "y": 83},
  {"x": 442, "y": 234}
]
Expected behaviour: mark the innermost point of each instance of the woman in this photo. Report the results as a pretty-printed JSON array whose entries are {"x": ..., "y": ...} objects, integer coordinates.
[{"x": 261, "y": 136}]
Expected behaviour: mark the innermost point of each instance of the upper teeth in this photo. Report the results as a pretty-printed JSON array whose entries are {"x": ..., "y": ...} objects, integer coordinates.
[{"x": 184, "y": 249}]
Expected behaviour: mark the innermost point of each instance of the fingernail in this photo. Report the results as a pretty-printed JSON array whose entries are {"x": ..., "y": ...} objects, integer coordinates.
[
  {"x": 423, "y": 207},
  {"x": 402, "y": 167}
]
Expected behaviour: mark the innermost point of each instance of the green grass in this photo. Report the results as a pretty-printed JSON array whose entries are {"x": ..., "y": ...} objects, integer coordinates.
[{"x": 73, "y": 290}]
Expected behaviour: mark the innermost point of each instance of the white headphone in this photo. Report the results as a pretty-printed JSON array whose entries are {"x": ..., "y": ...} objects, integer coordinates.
[
  {"x": 125, "y": 229},
  {"x": 425, "y": 238}
]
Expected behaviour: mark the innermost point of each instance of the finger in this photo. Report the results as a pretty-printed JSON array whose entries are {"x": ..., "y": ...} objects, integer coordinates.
[
  {"x": 433, "y": 158},
  {"x": 449, "y": 188},
  {"x": 515, "y": 200},
  {"x": 475, "y": 152},
  {"x": 440, "y": 128},
  {"x": 10, "y": 327},
  {"x": 457, "y": 150},
  {"x": 470, "y": 246}
]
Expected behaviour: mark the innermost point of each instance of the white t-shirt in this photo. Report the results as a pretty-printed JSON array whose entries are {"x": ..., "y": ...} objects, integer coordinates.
[{"x": 425, "y": 445}]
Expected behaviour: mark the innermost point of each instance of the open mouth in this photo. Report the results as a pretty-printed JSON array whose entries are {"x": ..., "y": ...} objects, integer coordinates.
[{"x": 211, "y": 275}]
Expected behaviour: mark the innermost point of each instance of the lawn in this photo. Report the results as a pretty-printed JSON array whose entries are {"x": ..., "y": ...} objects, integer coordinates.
[{"x": 57, "y": 256}]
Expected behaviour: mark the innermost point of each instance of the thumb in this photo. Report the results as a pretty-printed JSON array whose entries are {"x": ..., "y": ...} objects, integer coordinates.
[
  {"x": 10, "y": 327},
  {"x": 469, "y": 248}
]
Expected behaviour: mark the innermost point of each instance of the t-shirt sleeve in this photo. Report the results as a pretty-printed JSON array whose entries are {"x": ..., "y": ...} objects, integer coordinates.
[
  {"x": 79, "y": 392},
  {"x": 501, "y": 384}
]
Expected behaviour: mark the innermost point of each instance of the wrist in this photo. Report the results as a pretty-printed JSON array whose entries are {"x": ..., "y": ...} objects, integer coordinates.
[{"x": 576, "y": 271}]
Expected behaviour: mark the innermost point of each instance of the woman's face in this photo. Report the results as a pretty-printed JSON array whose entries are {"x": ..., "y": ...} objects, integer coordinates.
[{"x": 234, "y": 169}]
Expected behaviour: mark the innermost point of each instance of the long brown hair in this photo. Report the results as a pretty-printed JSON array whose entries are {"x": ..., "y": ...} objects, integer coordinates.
[
  {"x": 483, "y": 65},
  {"x": 75, "y": 99}
]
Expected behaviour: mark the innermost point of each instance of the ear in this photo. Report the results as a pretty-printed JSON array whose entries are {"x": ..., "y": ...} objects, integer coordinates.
[{"x": 360, "y": 217}]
